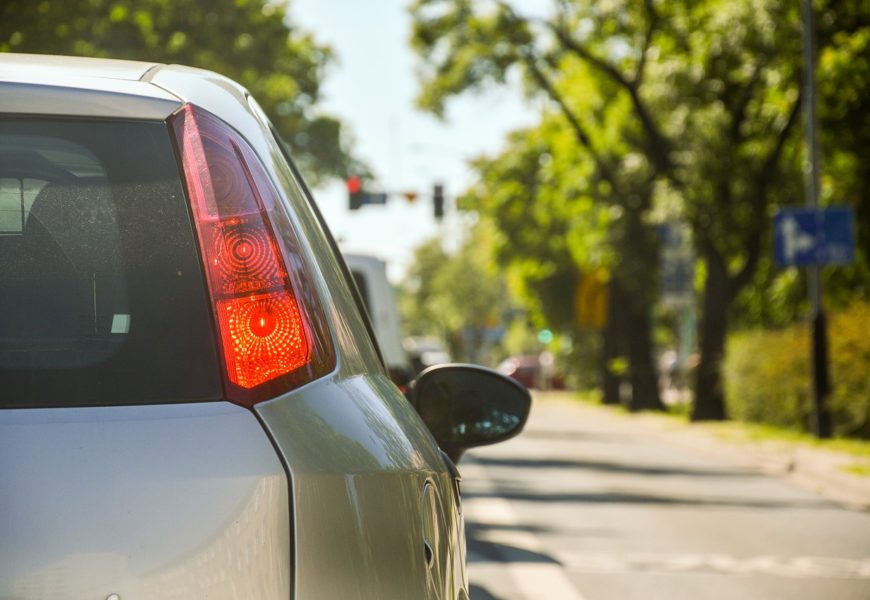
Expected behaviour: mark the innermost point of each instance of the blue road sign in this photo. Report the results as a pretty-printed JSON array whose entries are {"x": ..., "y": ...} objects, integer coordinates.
[{"x": 807, "y": 236}]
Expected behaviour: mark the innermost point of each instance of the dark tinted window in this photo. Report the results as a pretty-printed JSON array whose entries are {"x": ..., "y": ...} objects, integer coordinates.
[{"x": 102, "y": 299}]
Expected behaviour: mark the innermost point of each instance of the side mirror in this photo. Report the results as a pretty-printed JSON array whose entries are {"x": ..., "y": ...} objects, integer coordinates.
[{"x": 467, "y": 405}]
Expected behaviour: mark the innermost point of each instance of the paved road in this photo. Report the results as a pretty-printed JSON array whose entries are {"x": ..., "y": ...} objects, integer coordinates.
[{"x": 585, "y": 505}]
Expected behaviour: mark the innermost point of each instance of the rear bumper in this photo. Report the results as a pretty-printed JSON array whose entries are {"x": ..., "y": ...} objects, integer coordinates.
[{"x": 182, "y": 501}]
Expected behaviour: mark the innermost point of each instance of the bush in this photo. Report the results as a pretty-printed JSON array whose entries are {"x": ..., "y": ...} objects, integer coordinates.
[
  {"x": 850, "y": 370},
  {"x": 767, "y": 374}
]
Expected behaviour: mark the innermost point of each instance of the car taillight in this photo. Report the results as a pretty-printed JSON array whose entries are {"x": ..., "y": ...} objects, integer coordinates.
[{"x": 273, "y": 336}]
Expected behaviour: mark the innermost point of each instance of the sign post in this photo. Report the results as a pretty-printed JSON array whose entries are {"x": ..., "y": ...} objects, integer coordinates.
[
  {"x": 812, "y": 237},
  {"x": 821, "y": 377}
]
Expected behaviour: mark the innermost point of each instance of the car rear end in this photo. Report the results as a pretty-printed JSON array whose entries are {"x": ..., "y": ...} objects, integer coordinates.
[
  {"x": 124, "y": 469},
  {"x": 190, "y": 403}
]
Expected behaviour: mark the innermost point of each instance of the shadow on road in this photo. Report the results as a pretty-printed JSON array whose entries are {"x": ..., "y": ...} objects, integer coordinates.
[
  {"x": 480, "y": 593},
  {"x": 476, "y": 530},
  {"x": 483, "y": 550},
  {"x": 627, "y": 498},
  {"x": 609, "y": 467}
]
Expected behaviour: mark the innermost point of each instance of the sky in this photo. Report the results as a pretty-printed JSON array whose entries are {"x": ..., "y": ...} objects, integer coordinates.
[{"x": 371, "y": 87}]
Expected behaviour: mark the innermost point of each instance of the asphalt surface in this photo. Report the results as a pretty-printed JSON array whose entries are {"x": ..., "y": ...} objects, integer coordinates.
[{"x": 584, "y": 505}]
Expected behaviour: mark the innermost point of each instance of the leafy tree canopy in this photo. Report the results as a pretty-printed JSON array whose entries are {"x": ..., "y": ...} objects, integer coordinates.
[{"x": 251, "y": 41}]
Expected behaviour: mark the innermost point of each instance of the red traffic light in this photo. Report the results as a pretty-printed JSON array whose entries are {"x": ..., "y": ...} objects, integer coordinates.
[{"x": 354, "y": 185}]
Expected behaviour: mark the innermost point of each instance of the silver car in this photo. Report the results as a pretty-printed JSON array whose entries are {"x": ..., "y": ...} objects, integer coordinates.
[{"x": 191, "y": 401}]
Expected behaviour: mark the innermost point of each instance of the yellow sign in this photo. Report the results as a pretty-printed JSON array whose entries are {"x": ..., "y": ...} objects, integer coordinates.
[{"x": 591, "y": 299}]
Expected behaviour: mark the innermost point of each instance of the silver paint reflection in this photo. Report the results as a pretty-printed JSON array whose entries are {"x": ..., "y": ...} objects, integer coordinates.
[{"x": 155, "y": 502}]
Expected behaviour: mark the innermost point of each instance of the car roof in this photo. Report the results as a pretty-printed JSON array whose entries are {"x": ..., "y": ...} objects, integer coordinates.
[
  {"x": 81, "y": 87},
  {"x": 29, "y": 66},
  {"x": 36, "y": 84}
]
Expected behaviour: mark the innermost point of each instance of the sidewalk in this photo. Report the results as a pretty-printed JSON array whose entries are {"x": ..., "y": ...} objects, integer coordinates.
[{"x": 822, "y": 470}]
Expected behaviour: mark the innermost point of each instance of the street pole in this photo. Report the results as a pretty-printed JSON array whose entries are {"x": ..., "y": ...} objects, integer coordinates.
[{"x": 821, "y": 377}]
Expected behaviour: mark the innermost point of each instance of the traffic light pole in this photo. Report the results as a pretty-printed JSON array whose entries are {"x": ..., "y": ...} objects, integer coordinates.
[{"x": 821, "y": 376}]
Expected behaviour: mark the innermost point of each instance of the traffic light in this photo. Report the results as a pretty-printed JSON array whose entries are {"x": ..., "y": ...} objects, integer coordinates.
[
  {"x": 359, "y": 197},
  {"x": 438, "y": 200},
  {"x": 354, "y": 192}
]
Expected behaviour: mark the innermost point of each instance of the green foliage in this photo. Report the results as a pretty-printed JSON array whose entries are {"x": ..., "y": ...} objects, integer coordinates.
[
  {"x": 537, "y": 195},
  {"x": 767, "y": 377},
  {"x": 468, "y": 48},
  {"x": 457, "y": 297},
  {"x": 251, "y": 41},
  {"x": 418, "y": 288},
  {"x": 768, "y": 374},
  {"x": 844, "y": 113},
  {"x": 660, "y": 110},
  {"x": 850, "y": 357}
]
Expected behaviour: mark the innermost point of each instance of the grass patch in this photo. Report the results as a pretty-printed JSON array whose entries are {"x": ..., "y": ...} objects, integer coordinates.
[
  {"x": 755, "y": 432},
  {"x": 740, "y": 432},
  {"x": 676, "y": 412},
  {"x": 860, "y": 469}
]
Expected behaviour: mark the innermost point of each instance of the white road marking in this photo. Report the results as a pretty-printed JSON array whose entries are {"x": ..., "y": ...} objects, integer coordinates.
[{"x": 533, "y": 580}]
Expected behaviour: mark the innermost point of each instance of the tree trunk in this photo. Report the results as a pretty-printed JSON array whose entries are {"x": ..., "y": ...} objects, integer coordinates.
[
  {"x": 709, "y": 393},
  {"x": 638, "y": 283},
  {"x": 644, "y": 379},
  {"x": 610, "y": 346}
]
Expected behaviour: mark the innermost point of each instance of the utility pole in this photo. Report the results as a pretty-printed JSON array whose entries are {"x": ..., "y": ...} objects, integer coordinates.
[{"x": 821, "y": 376}]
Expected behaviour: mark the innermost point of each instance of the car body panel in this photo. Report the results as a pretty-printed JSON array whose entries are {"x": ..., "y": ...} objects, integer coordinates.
[
  {"x": 358, "y": 499},
  {"x": 142, "y": 501},
  {"x": 356, "y": 454}
]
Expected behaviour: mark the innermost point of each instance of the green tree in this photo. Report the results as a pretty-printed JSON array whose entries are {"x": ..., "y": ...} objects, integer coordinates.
[
  {"x": 551, "y": 232},
  {"x": 844, "y": 109},
  {"x": 727, "y": 94},
  {"x": 251, "y": 41},
  {"x": 466, "y": 45},
  {"x": 713, "y": 105},
  {"x": 457, "y": 297}
]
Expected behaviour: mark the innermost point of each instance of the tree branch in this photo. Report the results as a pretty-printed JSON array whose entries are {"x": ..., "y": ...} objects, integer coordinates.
[
  {"x": 771, "y": 161},
  {"x": 761, "y": 190},
  {"x": 738, "y": 113},
  {"x": 579, "y": 131},
  {"x": 658, "y": 148},
  {"x": 652, "y": 25}
]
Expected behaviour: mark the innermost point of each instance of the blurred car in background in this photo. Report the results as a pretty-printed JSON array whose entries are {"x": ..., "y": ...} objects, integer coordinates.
[
  {"x": 370, "y": 275},
  {"x": 533, "y": 371},
  {"x": 525, "y": 369},
  {"x": 191, "y": 401},
  {"x": 424, "y": 352}
]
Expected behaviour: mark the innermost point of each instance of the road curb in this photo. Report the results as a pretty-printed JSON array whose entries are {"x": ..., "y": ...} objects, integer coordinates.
[{"x": 818, "y": 469}]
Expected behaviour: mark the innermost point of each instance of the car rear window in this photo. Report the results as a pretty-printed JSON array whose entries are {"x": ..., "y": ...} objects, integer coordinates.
[{"x": 102, "y": 299}]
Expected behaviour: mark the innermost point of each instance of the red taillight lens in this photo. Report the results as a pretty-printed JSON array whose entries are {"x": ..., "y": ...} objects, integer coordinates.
[{"x": 272, "y": 332}]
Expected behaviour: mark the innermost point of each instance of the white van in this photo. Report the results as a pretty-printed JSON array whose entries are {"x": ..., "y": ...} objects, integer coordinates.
[{"x": 370, "y": 275}]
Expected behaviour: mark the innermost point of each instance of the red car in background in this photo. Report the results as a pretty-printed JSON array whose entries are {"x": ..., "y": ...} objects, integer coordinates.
[{"x": 533, "y": 371}]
